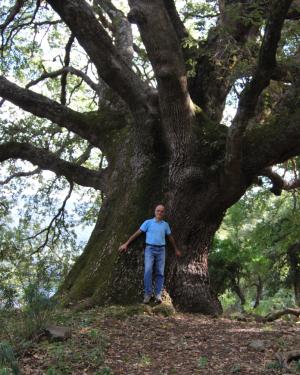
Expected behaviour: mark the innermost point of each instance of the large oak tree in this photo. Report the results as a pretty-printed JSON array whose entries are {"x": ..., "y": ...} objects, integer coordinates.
[{"x": 162, "y": 136}]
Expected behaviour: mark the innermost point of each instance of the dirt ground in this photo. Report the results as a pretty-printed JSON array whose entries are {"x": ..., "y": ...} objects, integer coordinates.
[
  {"x": 189, "y": 345},
  {"x": 183, "y": 344}
]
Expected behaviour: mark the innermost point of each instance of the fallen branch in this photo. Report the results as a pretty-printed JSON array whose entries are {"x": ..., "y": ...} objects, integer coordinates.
[
  {"x": 278, "y": 314},
  {"x": 285, "y": 358},
  {"x": 245, "y": 317},
  {"x": 58, "y": 333}
]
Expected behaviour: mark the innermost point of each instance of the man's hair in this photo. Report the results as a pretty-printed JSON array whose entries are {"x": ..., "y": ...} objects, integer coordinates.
[{"x": 159, "y": 204}]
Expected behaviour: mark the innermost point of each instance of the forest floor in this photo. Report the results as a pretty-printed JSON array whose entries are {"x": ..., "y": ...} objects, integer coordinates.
[{"x": 139, "y": 340}]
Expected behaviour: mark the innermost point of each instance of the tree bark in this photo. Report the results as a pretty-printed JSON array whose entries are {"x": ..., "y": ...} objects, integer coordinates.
[{"x": 187, "y": 278}]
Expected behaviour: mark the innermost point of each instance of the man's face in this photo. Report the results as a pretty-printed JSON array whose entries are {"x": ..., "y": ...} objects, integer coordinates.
[{"x": 159, "y": 212}]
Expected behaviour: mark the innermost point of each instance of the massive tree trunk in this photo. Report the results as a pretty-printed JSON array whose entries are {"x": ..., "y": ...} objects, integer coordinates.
[{"x": 136, "y": 180}]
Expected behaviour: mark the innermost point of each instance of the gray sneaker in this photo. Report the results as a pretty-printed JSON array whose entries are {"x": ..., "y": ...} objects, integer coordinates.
[
  {"x": 147, "y": 299},
  {"x": 158, "y": 299}
]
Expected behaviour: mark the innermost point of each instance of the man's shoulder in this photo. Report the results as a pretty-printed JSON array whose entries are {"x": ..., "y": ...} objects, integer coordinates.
[
  {"x": 167, "y": 228},
  {"x": 149, "y": 220},
  {"x": 146, "y": 223}
]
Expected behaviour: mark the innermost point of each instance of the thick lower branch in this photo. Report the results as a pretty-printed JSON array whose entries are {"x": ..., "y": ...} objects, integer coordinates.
[
  {"x": 83, "y": 125},
  {"x": 49, "y": 161}
]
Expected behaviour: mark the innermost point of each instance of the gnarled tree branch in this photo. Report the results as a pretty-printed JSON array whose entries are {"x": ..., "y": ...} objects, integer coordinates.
[
  {"x": 121, "y": 29},
  {"x": 71, "y": 70},
  {"x": 80, "y": 18},
  {"x": 165, "y": 54},
  {"x": 276, "y": 141},
  {"x": 179, "y": 27},
  {"x": 20, "y": 174},
  {"x": 289, "y": 71},
  {"x": 15, "y": 29},
  {"x": 280, "y": 183},
  {"x": 249, "y": 97},
  {"x": 63, "y": 79},
  {"x": 219, "y": 56},
  {"x": 294, "y": 11},
  {"x": 12, "y": 14},
  {"x": 45, "y": 159},
  {"x": 85, "y": 126}
]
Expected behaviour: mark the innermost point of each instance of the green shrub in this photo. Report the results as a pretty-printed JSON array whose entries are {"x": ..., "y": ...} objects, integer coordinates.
[
  {"x": 273, "y": 365},
  {"x": 229, "y": 301},
  {"x": 8, "y": 295},
  {"x": 37, "y": 309},
  {"x": 7, "y": 359},
  {"x": 280, "y": 300},
  {"x": 105, "y": 371},
  {"x": 235, "y": 369},
  {"x": 202, "y": 361}
]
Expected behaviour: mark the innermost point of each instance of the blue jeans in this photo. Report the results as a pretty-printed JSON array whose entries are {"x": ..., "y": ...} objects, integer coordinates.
[{"x": 157, "y": 254}]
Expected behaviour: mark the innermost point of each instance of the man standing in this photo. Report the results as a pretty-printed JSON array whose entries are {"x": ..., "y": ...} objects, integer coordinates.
[{"x": 156, "y": 230}]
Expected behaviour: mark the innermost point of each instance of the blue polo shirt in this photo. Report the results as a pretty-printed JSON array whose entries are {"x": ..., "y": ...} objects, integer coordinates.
[{"x": 156, "y": 231}]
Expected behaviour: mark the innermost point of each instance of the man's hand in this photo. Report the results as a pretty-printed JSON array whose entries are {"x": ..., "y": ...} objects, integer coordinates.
[
  {"x": 177, "y": 251},
  {"x": 123, "y": 247}
]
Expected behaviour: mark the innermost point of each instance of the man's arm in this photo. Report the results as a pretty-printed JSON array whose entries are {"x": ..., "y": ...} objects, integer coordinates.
[
  {"x": 177, "y": 251},
  {"x": 125, "y": 245}
]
